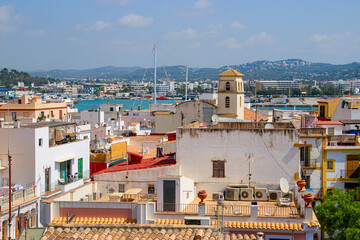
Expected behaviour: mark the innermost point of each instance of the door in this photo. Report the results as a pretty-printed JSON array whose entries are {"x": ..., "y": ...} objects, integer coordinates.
[
  {"x": 169, "y": 196},
  {"x": 352, "y": 164},
  {"x": 47, "y": 179},
  {"x": 80, "y": 168},
  {"x": 63, "y": 170}
]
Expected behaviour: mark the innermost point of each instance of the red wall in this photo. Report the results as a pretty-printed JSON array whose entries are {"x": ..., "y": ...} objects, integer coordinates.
[
  {"x": 96, "y": 212},
  {"x": 96, "y": 167}
]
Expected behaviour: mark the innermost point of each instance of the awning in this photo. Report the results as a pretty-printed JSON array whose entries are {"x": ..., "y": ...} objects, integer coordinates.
[{"x": 66, "y": 158}]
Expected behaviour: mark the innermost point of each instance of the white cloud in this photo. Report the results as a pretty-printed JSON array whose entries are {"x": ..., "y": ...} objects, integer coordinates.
[
  {"x": 189, "y": 33},
  {"x": 230, "y": 43},
  {"x": 202, "y": 4},
  {"x": 261, "y": 38},
  {"x": 119, "y": 2},
  {"x": 325, "y": 37},
  {"x": 8, "y": 20},
  {"x": 133, "y": 20},
  {"x": 35, "y": 33},
  {"x": 237, "y": 25},
  {"x": 97, "y": 26}
]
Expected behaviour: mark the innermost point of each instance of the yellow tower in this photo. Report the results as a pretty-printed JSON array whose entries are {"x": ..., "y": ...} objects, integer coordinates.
[{"x": 231, "y": 95}]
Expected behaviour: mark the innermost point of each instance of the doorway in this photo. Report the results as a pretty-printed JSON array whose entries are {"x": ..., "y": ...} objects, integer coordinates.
[
  {"x": 47, "y": 179},
  {"x": 169, "y": 196}
]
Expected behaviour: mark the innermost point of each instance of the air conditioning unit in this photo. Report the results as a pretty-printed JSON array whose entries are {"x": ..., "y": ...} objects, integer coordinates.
[
  {"x": 261, "y": 194},
  {"x": 274, "y": 195},
  {"x": 232, "y": 194},
  {"x": 247, "y": 194},
  {"x": 333, "y": 143},
  {"x": 217, "y": 196},
  {"x": 289, "y": 195}
]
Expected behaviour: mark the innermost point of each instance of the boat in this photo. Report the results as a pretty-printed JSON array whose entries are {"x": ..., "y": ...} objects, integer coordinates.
[{"x": 162, "y": 98}]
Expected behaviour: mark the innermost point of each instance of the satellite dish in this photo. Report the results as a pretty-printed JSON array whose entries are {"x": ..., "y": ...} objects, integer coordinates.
[
  {"x": 269, "y": 126},
  {"x": 284, "y": 185},
  {"x": 356, "y": 91},
  {"x": 215, "y": 118}
]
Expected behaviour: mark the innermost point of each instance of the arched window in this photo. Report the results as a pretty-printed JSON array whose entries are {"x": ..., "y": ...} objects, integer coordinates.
[
  {"x": 227, "y": 85},
  {"x": 227, "y": 102}
]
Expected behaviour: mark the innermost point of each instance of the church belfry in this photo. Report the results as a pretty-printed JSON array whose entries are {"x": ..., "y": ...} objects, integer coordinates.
[{"x": 231, "y": 95}]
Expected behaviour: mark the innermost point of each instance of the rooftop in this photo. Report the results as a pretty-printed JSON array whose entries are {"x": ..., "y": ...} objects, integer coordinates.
[
  {"x": 46, "y": 124},
  {"x": 144, "y": 164},
  {"x": 328, "y": 123},
  {"x": 243, "y": 125},
  {"x": 231, "y": 73}
]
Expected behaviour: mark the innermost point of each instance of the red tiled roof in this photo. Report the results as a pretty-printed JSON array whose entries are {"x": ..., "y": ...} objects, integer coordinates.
[
  {"x": 328, "y": 123},
  {"x": 330, "y": 99},
  {"x": 145, "y": 163},
  {"x": 250, "y": 115}
]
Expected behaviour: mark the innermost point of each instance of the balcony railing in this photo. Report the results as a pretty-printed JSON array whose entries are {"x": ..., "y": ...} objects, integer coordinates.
[
  {"x": 311, "y": 163},
  {"x": 304, "y": 132},
  {"x": 350, "y": 173},
  {"x": 18, "y": 196},
  {"x": 342, "y": 140},
  {"x": 278, "y": 211}
]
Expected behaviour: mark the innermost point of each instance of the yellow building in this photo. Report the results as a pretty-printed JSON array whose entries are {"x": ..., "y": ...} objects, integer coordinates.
[
  {"x": 231, "y": 95},
  {"x": 32, "y": 107}
]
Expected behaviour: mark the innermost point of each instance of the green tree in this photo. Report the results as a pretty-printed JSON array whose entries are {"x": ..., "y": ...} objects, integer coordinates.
[{"x": 339, "y": 214}]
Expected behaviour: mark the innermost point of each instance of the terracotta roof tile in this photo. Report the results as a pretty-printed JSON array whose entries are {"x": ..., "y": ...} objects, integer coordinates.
[
  {"x": 250, "y": 115},
  {"x": 231, "y": 73}
]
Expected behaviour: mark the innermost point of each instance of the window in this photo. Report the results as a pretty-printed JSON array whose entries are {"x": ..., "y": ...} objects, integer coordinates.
[
  {"x": 151, "y": 189},
  {"x": 240, "y": 102},
  {"x": 42, "y": 114},
  {"x": 305, "y": 155},
  {"x": 227, "y": 86},
  {"x": 111, "y": 109},
  {"x": 322, "y": 111},
  {"x": 19, "y": 101},
  {"x": 227, "y": 102},
  {"x": 40, "y": 142},
  {"x": 121, "y": 187},
  {"x": 331, "y": 131},
  {"x": 13, "y": 114},
  {"x": 218, "y": 169},
  {"x": 330, "y": 165},
  {"x": 52, "y": 113}
]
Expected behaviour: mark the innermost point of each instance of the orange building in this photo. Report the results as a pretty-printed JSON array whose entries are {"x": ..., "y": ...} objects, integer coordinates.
[{"x": 32, "y": 107}]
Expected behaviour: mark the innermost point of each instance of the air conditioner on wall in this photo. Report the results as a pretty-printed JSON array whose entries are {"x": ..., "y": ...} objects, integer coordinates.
[
  {"x": 217, "y": 196},
  {"x": 261, "y": 194},
  {"x": 274, "y": 195},
  {"x": 232, "y": 194},
  {"x": 247, "y": 194},
  {"x": 333, "y": 143}
]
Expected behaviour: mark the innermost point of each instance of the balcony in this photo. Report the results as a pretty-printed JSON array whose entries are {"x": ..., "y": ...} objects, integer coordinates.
[
  {"x": 342, "y": 140},
  {"x": 18, "y": 196},
  {"x": 312, "y": 132},
  {"x": 350, "y": 174},
  {"x": 309, "y": 164}
]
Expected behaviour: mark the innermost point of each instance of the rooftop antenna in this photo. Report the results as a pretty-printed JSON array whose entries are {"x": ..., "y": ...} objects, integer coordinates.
[
  {"x": 155, "y": 59},
  {"x": 186, "y": 82}
]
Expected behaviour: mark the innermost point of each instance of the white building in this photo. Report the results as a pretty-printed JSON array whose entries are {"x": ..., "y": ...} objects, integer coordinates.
[{"x": 46, "y": 154}]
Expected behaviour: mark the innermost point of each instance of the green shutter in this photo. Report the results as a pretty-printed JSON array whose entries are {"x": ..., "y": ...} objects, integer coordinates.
[{"x": 80, "y": 168}]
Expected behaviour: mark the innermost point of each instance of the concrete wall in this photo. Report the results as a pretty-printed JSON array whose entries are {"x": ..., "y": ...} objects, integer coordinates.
[
  {"x": 190, "y": 111},
  {"x": 271, "y": 154}
]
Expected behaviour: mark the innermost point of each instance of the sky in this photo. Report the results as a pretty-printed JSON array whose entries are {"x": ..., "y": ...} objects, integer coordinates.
[{"x": 81, "y": 34}]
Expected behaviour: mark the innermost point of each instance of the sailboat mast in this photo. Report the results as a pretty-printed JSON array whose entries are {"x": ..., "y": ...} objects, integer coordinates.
[
  {"x": 155, "y": 58},
  {"x": 186, "y": 83}
]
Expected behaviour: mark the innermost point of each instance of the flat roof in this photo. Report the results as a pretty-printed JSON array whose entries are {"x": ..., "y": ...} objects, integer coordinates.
[{"x": 46, "y": 124}]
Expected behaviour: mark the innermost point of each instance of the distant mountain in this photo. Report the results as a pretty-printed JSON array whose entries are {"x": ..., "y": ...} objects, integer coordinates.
[
  {"x": 267, "y": 70},
  {"x": 107, "y": 72}
]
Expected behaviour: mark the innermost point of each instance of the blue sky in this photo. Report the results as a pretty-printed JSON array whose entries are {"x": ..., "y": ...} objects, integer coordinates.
[{"x": 79, "y": 34}]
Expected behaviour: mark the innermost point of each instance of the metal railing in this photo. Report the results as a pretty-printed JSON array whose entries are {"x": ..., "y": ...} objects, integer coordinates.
[
  {"x": 228, "y": 210},
  {"x": 278, "y": 211},
  {"x": 345, "y": 139},
  {"x": 18, "y": 196},
  {"x": 177, "y": 208},
  {"x": 310, "y": 163},
  {"x": 349, "y": 174}
]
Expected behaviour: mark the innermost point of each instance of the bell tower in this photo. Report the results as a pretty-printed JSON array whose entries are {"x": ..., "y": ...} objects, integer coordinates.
[{"x": 231, "y": 95}]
